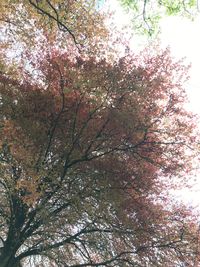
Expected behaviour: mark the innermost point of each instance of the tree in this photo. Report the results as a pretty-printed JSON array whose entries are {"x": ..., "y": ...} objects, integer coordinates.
[
  {"x": 147, "y": 14},
  {"x": 88, "y": 148}
]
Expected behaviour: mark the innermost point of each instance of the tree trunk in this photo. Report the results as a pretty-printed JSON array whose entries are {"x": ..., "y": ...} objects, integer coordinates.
[{"x": 8, "y": 260}]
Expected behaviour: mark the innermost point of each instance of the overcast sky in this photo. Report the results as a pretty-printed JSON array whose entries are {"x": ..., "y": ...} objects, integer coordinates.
[{"x": 183, "y": 36}]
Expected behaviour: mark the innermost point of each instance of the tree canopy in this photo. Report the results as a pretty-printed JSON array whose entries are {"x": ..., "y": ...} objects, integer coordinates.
[
  {"x": 76, "y": 22},
  {"x": 89, "y": 149}
]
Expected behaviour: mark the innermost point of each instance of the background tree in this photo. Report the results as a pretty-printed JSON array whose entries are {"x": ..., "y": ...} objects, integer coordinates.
[
  {"x": 147, "y": 13},
  {"x": 88, "y": 150}
]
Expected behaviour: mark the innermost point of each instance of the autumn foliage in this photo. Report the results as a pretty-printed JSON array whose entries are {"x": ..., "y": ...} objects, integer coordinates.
[
  {"x": 69, "y": 22},
  {"x": 89, "y": 150}
]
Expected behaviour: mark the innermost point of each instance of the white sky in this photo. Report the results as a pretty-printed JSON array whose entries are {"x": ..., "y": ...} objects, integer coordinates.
[{"x": 183, "y": 37}]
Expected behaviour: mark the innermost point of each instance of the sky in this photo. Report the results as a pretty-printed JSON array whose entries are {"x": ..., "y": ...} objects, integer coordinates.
[{"x": 183, "y": 37}]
